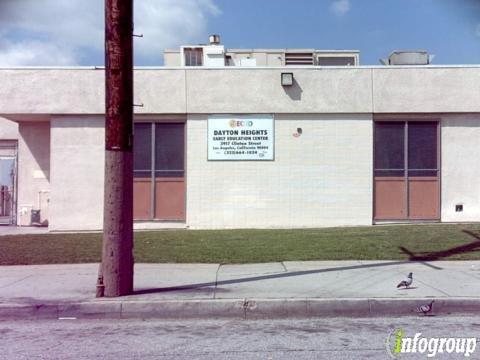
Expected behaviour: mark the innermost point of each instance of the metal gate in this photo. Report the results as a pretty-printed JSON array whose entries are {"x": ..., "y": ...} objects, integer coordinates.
[{"x": 8, "y": 182}]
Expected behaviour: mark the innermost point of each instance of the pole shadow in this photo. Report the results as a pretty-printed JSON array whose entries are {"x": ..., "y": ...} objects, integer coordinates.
[
  {"x": 277, "y": 276},
  {"x": 438, "y": 255}
]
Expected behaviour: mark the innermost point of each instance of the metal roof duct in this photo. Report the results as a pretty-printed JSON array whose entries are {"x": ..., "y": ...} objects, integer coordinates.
[
  {"x": 408, "y": 57},
  {"x": 214, "y": 39}
]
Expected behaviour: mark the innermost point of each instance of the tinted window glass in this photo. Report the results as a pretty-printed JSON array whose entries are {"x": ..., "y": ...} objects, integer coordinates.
[
  {"x": 193, "y": 57},
  {"x": 389, "y": 148},
  {"x": 422, "y": 148},
  {"x": 142, "y": 148},
  {"x": 422, "y": 172},
  {"x": 169, "y": 149}
]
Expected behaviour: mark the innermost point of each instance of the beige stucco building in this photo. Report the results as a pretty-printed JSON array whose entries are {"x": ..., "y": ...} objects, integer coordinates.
[{"x": 347, "y": 145}]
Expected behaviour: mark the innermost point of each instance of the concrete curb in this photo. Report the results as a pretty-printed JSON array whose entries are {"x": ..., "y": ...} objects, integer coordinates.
[{"x": 237, "y": 308}]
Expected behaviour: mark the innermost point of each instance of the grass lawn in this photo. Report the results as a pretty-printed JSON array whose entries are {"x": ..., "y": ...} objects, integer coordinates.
[{"x": 429, "y": 242}]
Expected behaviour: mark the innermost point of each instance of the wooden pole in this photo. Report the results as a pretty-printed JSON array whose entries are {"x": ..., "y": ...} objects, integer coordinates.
[{"x": 116, "y": 273}]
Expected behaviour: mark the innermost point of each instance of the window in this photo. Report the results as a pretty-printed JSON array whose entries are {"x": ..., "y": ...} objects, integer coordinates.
[
  {"x": 193, "y": 56},
  {"x": 407, "y": 170},
  {"x": 142, "y": 150},
  {"x": 389, "y": 149},
  {"x": 169, "y": 150},
  {"x": 158, "y": 163},
  {"x": 421, "y": 150}
]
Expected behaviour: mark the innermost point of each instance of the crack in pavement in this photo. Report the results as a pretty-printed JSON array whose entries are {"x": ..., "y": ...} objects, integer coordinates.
[
  {"x": 15, "y": 282},
  {"x": 216, "y": 282}
]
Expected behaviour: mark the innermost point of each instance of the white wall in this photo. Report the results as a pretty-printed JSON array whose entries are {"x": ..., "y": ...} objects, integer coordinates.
[
  {"x": 322, "y": 178},
  {"x": 77, "y": 157},
  {"x": 240, "y": 90},
  {"x": 248, "y": 90},
  {"x": 461, "y": 167},
  {"x": 426, "y": 89},
  {"x": 8, "y": 129},
  {"x": 33, "y": 169}
]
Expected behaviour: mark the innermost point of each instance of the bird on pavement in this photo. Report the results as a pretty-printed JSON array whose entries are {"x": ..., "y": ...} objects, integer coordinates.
[
  {"x": 425, "y": 309},
  {"x": 407, "y": 282}
]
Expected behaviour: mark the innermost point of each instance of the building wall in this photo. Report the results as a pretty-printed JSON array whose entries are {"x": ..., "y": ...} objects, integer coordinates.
[
  {"x": 77, "y": 174},
  {"x": 248, "y": 90},
  {"x": 322, "y": 178},
  {"x": 460, "y": 167},
  {"x": 33, "y": 170},
  {"x": 8, "y": 129},
  {"x": 260, "y": 91},
  {"x": 426, "y": 89},
  {"x": 172, "y": 58},
  {"x": 329, "y": 185}
]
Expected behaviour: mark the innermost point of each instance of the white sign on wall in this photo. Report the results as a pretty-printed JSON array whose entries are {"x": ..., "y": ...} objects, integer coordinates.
[{"x": 240, "y": 137}]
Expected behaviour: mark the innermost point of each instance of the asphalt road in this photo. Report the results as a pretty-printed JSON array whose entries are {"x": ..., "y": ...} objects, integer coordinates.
[{"x": 332, "y": 338}]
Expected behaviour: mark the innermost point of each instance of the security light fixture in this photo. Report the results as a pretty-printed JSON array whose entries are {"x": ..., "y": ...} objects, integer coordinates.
[{"x": 287, "y": 79}]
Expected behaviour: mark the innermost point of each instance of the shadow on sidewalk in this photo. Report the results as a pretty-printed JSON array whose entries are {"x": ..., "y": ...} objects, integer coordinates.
[
  {"x": 437, "y": 255},
  {"x": 277, "y": 276},
  {"x": 419, "y": 258}
]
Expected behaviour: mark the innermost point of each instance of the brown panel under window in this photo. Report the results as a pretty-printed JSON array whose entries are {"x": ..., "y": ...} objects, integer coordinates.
[
  {"x": 390, "y": 198},
  {"x": 170, "y": 198},
  {"x": 142, "y": 198},
  {"x": 423, "y": 193}
]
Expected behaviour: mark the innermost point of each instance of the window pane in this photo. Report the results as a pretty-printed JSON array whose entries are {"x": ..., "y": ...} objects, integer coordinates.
[
  {"x": 193, "y": 57},
  {"x": 142, "y": 147},
  {"x": 389, "y": 146},
  {"x": 396, "y": 173},
  {"x": 142, "y": 174},
  {"x": 169, "y": 149},
  {"x": 422, "y": 146},
  {"x": 169, "y": 173},
  {"x": 422, "y": 172}
]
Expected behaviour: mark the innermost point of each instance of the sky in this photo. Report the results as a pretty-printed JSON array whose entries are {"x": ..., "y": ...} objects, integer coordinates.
[{"x": 71, "y": 32}]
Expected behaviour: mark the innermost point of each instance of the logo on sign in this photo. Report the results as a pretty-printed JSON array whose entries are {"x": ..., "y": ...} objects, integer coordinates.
[{"x": 240, "y": 123}]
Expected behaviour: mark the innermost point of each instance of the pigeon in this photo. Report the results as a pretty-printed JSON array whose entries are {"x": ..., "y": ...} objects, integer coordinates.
[
  {"x": 407, "y": 282},
  {"x": 425, "y": 309}
]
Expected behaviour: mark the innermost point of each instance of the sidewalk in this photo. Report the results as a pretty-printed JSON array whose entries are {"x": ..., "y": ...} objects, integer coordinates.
[
  {"x": 22, "y": 230},
  {"x": 271, "y": 290}
]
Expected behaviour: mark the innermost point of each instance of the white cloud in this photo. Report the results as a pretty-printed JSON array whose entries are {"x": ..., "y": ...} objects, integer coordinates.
[
  {"x": 340, "y": 7},
  {"x": 68, "y": 32},
  {"x": 477, "y": 30},
  {"x": 31, "y": 53},
  {"x": 172, "y": 24}
]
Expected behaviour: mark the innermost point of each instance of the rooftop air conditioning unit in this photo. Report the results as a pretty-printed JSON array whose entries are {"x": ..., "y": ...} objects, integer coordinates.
[{"x": 408, "y": 57}]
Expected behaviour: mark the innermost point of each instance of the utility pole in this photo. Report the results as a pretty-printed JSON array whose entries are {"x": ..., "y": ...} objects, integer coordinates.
[{"x": 116, "y": 271}]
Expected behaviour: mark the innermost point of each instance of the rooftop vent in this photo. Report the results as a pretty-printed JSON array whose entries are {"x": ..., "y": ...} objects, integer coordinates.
[
  {"x": 408, "y": 57},
  {"x": 214, "y": 39},
  {"x": 298, "y": 58}
]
